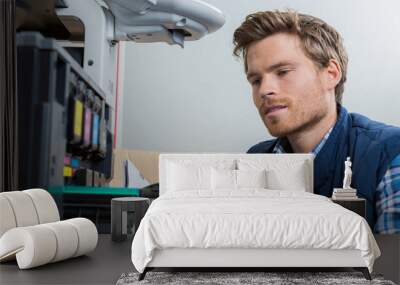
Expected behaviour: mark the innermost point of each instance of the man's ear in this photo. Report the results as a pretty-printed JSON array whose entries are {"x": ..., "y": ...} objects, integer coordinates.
[{"x": 332, "y": 74}]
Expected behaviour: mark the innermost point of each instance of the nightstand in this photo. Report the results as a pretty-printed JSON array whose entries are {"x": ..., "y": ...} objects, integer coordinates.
[
  {"x": 126, "y": 214},
  {"x": 357, "y": 205}
]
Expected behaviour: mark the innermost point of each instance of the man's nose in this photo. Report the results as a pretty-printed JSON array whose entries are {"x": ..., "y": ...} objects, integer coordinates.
[
  {"x": 267, "y": 88},
  {"x": 266, "y": 95}
]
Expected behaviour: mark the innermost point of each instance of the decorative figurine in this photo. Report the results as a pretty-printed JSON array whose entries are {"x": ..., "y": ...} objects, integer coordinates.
[{"x": 347, "y": 174}]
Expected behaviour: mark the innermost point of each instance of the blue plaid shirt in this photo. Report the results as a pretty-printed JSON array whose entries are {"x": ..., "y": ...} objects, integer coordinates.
[{"x": 388, "y": 191}]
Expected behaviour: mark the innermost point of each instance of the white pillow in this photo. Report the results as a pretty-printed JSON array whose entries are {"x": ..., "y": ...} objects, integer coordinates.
[
  {"x": 223, "y": 179},
  {"x": 236, "y": 179},
  {"x": 292, "y": 180},
  {"x": 187, "y": 174},
  {"x": 283, "y": 173},
  {"x": 182, "y": 177},
  {"x": 251, "y": 178}
]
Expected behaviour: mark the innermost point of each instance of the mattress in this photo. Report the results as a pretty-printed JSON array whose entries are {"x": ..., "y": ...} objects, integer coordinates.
[{"x": 250, "y": 219}]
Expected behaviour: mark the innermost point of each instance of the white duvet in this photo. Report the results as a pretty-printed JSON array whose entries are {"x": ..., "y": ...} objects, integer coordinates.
[{"x": 251, "y": 218}]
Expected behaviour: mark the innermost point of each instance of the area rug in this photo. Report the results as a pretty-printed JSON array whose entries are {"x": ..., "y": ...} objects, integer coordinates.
[{"x": 269, "y": 278}]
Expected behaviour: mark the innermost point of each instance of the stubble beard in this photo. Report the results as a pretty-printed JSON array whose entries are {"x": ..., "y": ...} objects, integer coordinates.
[{"x": 294, "y": 125}]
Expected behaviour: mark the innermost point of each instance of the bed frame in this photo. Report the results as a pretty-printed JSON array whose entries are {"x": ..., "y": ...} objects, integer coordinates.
[{"x": 242, "y": 259}]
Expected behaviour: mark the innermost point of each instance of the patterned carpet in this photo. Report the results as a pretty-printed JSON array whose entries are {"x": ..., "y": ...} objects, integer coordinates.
[{"x": 230, "y": 278}]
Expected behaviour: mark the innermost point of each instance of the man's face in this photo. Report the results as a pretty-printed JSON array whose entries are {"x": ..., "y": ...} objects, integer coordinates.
[{"x": 287, "y": 87}]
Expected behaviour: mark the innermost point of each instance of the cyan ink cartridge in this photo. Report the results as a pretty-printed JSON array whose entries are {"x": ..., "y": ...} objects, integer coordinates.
[
  {"x": 75, "y": 162},
  {"x": 96, "y": 124}
]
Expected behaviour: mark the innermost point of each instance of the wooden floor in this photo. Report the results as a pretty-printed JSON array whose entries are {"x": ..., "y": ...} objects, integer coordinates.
[
  {"x": 110, "y": 259},
  {"x": 102, "y": 266}
]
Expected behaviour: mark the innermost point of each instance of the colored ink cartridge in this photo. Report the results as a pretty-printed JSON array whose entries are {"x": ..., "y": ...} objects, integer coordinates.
[
  {"x": 67, "y": 159},
  {"x": 103, "y": 132},
  {"x": 75, "y": 162},
  {"x": 87, "y": 123},
  {"x": 67, "y": 171},
  {"x": 96, "y": 124},
  {"x": 76, "y": 115}
]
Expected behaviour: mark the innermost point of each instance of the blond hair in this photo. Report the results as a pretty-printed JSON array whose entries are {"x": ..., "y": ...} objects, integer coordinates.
[{"x": 320, "y": 42}]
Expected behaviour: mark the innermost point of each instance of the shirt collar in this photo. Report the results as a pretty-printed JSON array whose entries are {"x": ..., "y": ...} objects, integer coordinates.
[{"x": 283, "y": 145}]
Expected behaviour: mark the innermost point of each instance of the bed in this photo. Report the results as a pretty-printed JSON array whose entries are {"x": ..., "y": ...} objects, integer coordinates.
[{"x": 246, "y": 211}]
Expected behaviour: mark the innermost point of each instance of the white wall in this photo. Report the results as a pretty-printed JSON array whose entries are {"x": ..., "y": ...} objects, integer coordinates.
[{"x": 197, "y": 99}]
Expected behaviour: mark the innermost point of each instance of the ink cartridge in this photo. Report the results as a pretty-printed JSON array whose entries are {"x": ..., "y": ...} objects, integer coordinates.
[
  {"x": 67, "y": 174},
  {"x": 96, "y": 179},
  {"x": 83, "y": 177},
  {"x": 87, "y": 122},
  {"x": 75, "y": 162},
  {"x": 95, "y": 124},
  {"x": 67, "y": 171},
  {"x": 102, "y": 180},
  {"x": 67, "y": 159},
  {"x": 103, "y": 131},
  {"x": 76, "y": 115}
]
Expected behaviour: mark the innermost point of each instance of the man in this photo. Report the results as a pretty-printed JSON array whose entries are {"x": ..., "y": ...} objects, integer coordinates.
[{"x": 296, "y": 65}]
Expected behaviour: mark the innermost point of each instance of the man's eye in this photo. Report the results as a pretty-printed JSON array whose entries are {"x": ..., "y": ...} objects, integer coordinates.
[
  {"x": 255, "y": 82},
  {"x": 283, "y": 72}
]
